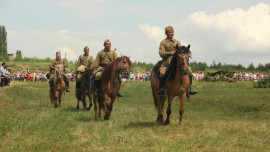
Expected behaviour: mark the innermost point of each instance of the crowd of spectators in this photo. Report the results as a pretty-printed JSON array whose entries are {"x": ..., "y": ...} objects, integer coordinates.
[
  {"x": 139, "y": 76},
  {"x": 240, "y": 76}
]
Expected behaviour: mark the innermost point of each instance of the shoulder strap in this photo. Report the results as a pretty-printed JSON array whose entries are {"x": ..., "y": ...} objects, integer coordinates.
[{"x": 108, "y": 56}]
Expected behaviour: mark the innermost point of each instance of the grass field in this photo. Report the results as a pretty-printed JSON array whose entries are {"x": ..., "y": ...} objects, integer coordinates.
[{"x": 222, "y": 117}]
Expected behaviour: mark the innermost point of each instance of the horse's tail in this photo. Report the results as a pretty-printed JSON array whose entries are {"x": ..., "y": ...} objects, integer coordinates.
[{"x": 153, "y": 93}]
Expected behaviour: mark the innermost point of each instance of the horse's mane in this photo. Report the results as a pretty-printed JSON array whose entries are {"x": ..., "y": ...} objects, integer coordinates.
[
  {"x": 171, "y": 72},
  {"x": 109, "y": 69}
]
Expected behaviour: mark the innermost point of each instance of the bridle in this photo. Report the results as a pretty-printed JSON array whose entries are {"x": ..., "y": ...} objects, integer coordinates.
[
  {"x": 121, "y": 70},
  {"x": 183, "y": 62}
]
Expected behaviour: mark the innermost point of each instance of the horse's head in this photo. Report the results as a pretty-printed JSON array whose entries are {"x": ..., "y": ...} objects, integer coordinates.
[
  {"x": 183, "y": 54},
  {"x": 58, "y": 71},
  {"x": 123, "y": 66}
]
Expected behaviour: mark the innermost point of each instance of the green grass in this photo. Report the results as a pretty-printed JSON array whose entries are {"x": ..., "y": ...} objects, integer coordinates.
[{"x": 222, "y": 117}]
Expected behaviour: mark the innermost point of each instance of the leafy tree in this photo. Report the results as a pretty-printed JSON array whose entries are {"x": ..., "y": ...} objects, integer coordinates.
[
  {"x": 3, "y": 44},
  {"x": 251, "y": 67}
]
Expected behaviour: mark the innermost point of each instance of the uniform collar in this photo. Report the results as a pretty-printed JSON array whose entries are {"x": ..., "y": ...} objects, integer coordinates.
[
  {"x": 106, "y": 50},
  {"x": 57, "y": 59},
  {"x": 85, "y": 54},
  {"x": 171, "y": 40}
]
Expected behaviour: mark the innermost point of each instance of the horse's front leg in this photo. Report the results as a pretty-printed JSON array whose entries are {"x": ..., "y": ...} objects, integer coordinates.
[
  {"x": 110, "y": 107},
  {"x": 169, "y": 111},
  {"x": 106, "y": 107},
  {"x": 60, "y": 99},
  {"x": 182, "y": 98},
  {"x": 83, "y": 101},
  {"x": 90, "y": 101},
  {"x": 95, "y": 106}
]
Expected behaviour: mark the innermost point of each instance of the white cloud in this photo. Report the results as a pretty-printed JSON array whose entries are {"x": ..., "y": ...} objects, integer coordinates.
[
  {"x": 238, "y": 29},
  {"x": 85, "y": 9},
  {"x": 154, "y": 33},
  {"x": 43, "y": 44}
]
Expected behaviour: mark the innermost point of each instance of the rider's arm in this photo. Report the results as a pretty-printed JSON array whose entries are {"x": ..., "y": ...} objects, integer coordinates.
[
  {"x": 96, "y": 62},
  {"x": 52, "y": 65},
  {"x": 78, "y": 63},
  {"x": 91, "y": 61},
  {"x": 162, "y": 51}
]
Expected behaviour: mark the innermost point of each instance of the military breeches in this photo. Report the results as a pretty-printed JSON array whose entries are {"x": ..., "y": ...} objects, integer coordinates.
[
  {"x": 163, "y": 69},
  {"x": 79, "y": 77},
  {"x": 98, "y": 75},
  {"x": 64, "y": 77}
]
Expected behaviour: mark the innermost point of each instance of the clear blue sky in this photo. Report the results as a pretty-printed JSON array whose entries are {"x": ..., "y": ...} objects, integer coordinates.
[{"x": 226, "y": 31}]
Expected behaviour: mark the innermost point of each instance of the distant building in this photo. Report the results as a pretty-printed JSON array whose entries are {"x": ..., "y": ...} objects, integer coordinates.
[{"x": 12, "y": 56}]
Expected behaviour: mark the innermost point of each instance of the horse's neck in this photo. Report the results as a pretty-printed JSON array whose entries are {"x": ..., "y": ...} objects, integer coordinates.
[
  {"x": 178, "y": 76},
  {"x": 113, "y": 74}
]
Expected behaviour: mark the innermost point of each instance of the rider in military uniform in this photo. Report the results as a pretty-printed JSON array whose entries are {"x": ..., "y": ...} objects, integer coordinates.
[
  {"x": 167, "y": 49},
  {"x": 84, "y": 61},
  {"x": 55, "y": 62},
  {"x": 103, "y": 58}
]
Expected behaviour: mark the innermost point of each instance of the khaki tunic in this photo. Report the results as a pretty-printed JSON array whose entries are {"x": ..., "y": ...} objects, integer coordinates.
[
  {"x": 87, "y": 61},
  {"x": 166, "y": 46},
  {"x": 54, "y": 63},
  {"x": 103, "y": 58}
]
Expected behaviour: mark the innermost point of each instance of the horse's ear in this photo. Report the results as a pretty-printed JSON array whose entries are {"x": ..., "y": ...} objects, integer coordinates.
[
  {"x": 188, "y": 46},
  {"x": 177, "y": 47},
  {"x": 129, "y": 57}
]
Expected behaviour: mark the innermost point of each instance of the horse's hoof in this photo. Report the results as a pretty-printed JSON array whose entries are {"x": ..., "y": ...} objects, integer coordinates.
[
  {"x": 106, "y": 117},
  {"x": 160, "y": 121},
  {"x": 167, "y": 122}
]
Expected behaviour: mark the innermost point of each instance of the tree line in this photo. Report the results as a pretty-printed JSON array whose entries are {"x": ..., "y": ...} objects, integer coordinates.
[
  {"x": 3, "y": 44},
  {"x": 202, "y": 66}
]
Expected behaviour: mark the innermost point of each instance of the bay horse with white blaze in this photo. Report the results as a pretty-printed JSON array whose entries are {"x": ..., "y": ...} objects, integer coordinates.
[
  {"x": 177, "y": 83},
  {"x": 110, "y": 84},
  {"x": 59, "y": 86}
]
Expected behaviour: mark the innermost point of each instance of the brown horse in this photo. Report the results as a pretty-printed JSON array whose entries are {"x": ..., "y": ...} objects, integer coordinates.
[
  {"x": 86, "y": 89},
  {"x": 110, "y": 84},
  {"x": 59, "y": 87},
  {"x": 177, "y": 83}
]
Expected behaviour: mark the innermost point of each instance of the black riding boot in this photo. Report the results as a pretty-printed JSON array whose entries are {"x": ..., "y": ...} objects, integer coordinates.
[
  {"x": 190, "y": 88},
  {"x": 51, "y": 85},
  {"x": 162, "y": 91},
  {"x": 97, "y": 86},
  {"x": 67, "y": 85}
]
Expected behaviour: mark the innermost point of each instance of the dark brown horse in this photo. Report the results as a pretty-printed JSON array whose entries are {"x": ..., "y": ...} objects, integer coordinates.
[
  {"x": 86, "y": 89},
  {"x": 177, "y": 83},
  {"x": 59, "y": 87},
  {"x": 110, "y": 84}
]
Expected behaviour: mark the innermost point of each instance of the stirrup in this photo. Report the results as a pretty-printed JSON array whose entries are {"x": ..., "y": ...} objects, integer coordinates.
[
  {"x": 192, "y": 92},
  {"x": 119, "y": 95}
]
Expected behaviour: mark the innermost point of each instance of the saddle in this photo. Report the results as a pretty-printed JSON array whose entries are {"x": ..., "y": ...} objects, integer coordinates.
[
  {"x": 156, "y": 68},
  {"x": 157, "y": 72}
]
